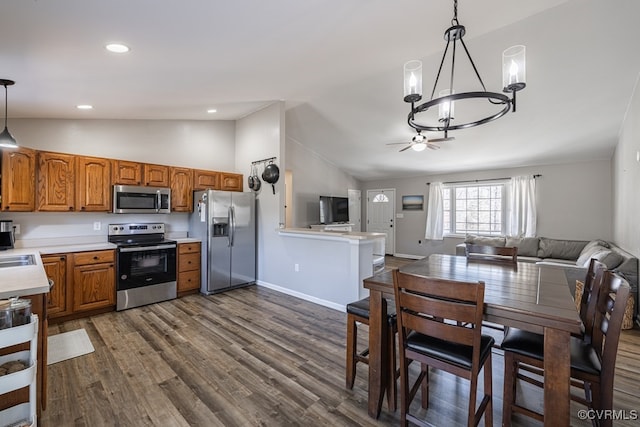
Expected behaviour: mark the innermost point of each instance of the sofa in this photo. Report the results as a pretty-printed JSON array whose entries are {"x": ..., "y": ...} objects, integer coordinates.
[{"x": 572, "y": 253}]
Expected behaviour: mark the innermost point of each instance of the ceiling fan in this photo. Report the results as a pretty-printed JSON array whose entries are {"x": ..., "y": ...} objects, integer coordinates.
[{"x": 419, "y": 142}]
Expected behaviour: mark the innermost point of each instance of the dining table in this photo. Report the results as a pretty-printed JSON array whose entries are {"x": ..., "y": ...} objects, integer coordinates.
[{"x": 530, "y": 296}]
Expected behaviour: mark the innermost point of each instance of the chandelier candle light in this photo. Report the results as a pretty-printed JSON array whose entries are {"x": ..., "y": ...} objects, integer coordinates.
[
  {"x": 513, "y": 80},
  {"x": 6, "y": 139}
]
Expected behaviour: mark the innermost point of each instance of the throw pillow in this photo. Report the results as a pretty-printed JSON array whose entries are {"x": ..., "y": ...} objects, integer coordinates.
[
  {"x": 484, "y": 240},
  {"x": 527, "y": 246},
  {"x": 608, "y": 257},
  {"x": 560, "y": 249},
  {"x": 587, "y": 254}
]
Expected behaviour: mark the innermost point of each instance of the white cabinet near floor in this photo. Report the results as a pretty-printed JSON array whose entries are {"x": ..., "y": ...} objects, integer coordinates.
[{"x": 23, "y": 378}]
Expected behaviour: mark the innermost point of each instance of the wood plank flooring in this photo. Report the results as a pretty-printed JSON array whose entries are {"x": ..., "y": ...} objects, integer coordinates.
[{"x": 250, "y": 357}]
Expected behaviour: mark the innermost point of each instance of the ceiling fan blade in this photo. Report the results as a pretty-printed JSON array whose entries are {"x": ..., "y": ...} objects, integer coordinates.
[
  {"x": 449, "y": 138},
  {"x": 398, "y": 143},
  {"x": 405, "y": 148},
  {"x": 433, "y": 146}
]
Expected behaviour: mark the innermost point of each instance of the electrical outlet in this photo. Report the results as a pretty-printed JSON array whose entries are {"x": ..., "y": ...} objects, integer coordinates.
[
  {"x": 16, "y": 228},
  {"x": 97, "y": 226},
  {"x": 296, "y": 267}
]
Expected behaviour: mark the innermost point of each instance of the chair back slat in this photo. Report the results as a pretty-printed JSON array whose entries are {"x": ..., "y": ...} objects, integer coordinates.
[
  {"x": 437, "y": 307},
  {"x": 504, "y": 254},
  {"x": 588, "y": 302}
]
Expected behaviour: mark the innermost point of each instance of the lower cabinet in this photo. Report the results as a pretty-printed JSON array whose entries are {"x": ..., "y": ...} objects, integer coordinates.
[
  {"x": 94, "y": 284},
  {"x": 188, "y": 268},
  {"x": 82, "y": 282}
]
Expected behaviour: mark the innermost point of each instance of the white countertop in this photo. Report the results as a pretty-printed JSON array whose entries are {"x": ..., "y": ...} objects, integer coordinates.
[
  {"x": 327, "y": 234},
  {"x": 23, "y": 280}
]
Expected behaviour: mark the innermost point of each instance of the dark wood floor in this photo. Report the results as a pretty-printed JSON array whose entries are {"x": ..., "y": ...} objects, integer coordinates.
[{"x": 250, "y": 357}]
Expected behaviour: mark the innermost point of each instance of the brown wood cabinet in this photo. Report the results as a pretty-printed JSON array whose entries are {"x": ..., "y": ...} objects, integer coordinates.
[
  {"x": 56, "y": 182},
  {"x": 156, "y": 175},
  {"x": 188, "y": 268},
  {"x": 231, "y": 181},
  {"x": 59, "y": 300},
  {"x": 93, "y": 185},
  {"x": 18, "y": 179},
  {"x": 181, "y": 189},
  {"x": 203, "y": 180},
  {"x": 127, "y": 173},
  {"x": 94, "y": 283}
]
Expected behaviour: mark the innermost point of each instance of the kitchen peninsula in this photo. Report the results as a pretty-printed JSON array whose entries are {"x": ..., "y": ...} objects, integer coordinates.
[{"x": 328, "y": 267}]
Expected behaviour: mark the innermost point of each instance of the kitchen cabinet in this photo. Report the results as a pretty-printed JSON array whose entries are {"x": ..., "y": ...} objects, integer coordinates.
[
  {"x": 58, "y": 300},
  {"x": 188, "y": 268},
  {"x": 94, "y": 283},
  {"x": 56, "y": 182},
  {"x": 93, "y": 184},
  {"x": 203, "y": 180},
  {"x": 181, "y": 189},
  {"x": 231, "y": 181},
  {"x": 156, "y": 175},
  {"x": 18, "y": 179},
  {"x": 127, "y": 173}
]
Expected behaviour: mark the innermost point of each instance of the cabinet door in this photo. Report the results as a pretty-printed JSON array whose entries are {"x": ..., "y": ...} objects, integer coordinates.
[
  {"x": 93, "y": 193},
  {"x": 55, "y": 267},
  {"x": 94, "y": 286},
  {"x": 127, "y": 173},
  {"x": 56, "y": 182},
  {"x": 231, "y": 181},
  {"x": 156, "y": 175},
  {"x": 188, "y": 268},
  {"x": 203, "y": 180},
  {"x": 181, "y": 189},
  {"x": 18, "y": 179}
]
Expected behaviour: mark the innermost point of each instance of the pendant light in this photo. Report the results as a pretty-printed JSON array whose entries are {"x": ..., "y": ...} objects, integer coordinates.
[
  {"x": 6, "y": 139},
  {"x": 514, "y": 79}
]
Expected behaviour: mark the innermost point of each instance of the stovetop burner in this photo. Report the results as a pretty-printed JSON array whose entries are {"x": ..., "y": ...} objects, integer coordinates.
[{"x": 137, "y": 234}]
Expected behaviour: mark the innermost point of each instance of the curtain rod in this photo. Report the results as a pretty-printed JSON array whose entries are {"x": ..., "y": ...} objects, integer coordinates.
[{"x": 481, "y": 180}]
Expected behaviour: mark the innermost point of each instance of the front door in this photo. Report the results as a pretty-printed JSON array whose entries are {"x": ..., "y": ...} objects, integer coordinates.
[{"x": 381, "y": 211}]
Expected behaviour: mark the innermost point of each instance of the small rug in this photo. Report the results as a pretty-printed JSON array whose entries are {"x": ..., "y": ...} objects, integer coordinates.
[{"x": 68, "y": 345}]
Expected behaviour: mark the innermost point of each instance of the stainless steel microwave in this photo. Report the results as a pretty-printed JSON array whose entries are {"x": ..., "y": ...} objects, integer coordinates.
[{"x": 136, "y": 199}]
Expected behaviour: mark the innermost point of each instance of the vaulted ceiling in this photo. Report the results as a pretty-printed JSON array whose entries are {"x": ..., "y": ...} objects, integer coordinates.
[{"x": 337, "y": 66}]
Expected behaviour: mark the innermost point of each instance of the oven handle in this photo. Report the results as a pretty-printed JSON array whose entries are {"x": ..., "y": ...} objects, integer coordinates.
[{"x": 147, "y": 248}]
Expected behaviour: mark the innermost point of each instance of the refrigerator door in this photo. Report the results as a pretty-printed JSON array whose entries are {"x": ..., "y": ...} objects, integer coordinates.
[
  {"x": 243, "y": 250},
  {"x": 220, "y": 233}
]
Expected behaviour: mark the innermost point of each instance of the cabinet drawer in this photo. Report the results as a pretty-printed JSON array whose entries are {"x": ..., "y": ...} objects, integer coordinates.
[
  {"x": 95, "y": 257},
  {"x": 188, "y": 262},
  {"x": 188, "y": 248},
  {"x": 188, "y": 280}
]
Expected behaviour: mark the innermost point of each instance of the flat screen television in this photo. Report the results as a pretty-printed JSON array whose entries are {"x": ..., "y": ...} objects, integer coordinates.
[{"x": 334, "y": 209}]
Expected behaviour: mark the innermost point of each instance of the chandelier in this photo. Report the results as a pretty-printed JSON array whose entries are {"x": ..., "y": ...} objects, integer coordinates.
[
  {"x": 492, "y": 105},
  {"x": 6, "y": 139}
]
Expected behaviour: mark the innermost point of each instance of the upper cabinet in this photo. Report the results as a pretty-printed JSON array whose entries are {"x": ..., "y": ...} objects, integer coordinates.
[
  {"x": 181, "y": 189},
  {"x": 127, "y": 173},
  {"x": 156, "y": 175},
  {"x": 231, "y": 181},
  {"x": 56, "y": 182},
  {"x": 203, "y": 180},
  {"x": 93, "y": 190},
  {"x": 18, "y": 179}
]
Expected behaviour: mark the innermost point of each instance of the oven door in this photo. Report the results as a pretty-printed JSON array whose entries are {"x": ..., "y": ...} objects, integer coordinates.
[{"x": 139, "y": 266}]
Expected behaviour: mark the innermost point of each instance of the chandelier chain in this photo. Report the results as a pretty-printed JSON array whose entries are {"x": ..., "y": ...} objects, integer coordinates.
[{"x": 454, "y": 21}]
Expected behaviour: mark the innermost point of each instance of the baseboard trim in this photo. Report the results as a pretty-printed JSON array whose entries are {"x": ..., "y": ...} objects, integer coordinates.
[
  {"x": 408, "y": 256},
  {"x": 310, "y": 298}
]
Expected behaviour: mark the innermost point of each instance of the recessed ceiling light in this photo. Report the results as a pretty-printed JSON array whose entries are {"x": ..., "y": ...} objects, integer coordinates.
[
  {"x": 117, "y": 48},
  {"x": 84, "y": 107},
  {"x": 212, "y": 110}
]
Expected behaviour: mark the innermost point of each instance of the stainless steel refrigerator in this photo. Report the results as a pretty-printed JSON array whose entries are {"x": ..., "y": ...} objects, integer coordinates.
[{"x": 226, "y": 223}]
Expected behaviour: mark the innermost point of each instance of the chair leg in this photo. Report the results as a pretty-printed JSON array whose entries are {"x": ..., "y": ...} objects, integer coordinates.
[
  {"x": 405, "y": 402},
  {"x": 509, "y": 393},
  {"x": 424, "y": 387},
  {"x": 473, "y": 392},
  {"x": 392, "y": 389},
  {"x": 352, "y": 342},
  {"x": 488, "y": 391}
]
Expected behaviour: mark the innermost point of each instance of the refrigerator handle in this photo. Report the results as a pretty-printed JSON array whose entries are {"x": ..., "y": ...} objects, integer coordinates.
[{"x": 232, "y": 225}]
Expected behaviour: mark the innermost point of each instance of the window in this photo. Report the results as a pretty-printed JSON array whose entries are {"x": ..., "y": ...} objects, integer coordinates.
[{"x": 475, "y": 209}]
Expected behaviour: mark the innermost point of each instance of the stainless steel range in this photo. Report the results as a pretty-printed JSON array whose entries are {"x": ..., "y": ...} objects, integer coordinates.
[{"x": 145, "y": 264}]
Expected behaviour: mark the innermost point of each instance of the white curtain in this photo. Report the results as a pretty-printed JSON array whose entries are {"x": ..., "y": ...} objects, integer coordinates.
[
  {"x": 521, "y": 216},
  {"x": 435, "y": 213}
]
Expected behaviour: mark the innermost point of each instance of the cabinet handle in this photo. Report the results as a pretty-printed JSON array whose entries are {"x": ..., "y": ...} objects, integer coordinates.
[
  {"x": 96, "y": 257},
  {"x": 61, "y": 258},
  {"x": 82, "y": 208},
  {"x": 7, "y": 207},
  {"x": 70, "y": 208}
]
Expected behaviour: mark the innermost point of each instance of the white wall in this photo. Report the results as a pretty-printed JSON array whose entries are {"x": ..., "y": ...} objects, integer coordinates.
[
  {"x": 574, "y": 202},
  {"x": 313, "y": 176},
  {"x": 626, "y": 178}
]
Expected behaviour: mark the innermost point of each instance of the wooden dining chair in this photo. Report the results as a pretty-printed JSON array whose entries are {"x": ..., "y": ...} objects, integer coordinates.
[
  {"x": 501, "y": 254},
  {"x": 429, "y": 315},
  {"x": 358, "y": 312},
  {"x": 592, "y": 361}
]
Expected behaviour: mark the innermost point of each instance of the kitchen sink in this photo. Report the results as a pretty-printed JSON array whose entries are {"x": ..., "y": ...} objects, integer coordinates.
[{"x": 17, "y": 260}]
